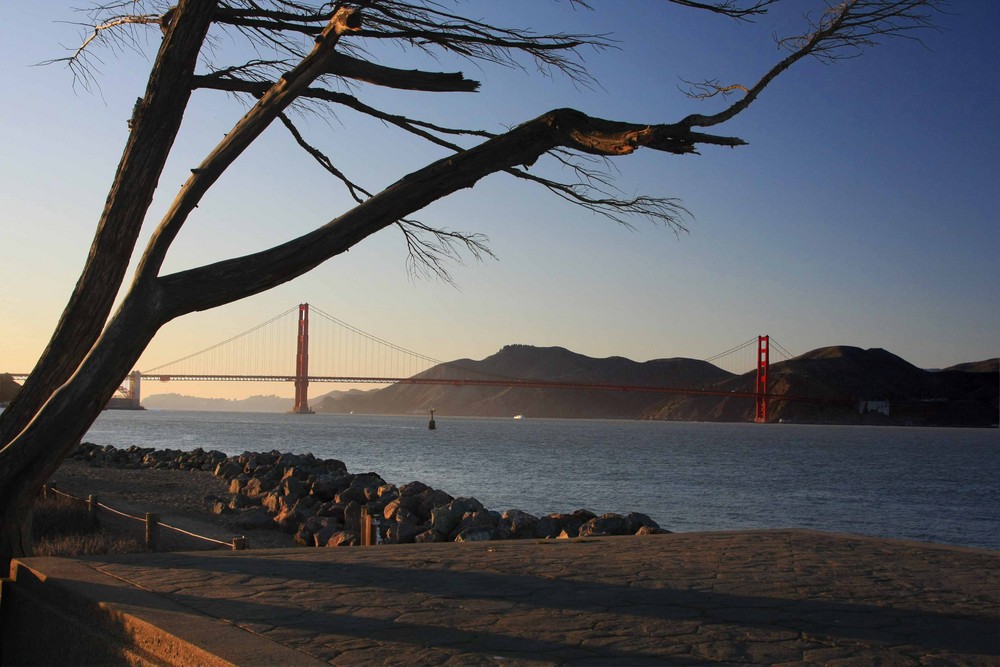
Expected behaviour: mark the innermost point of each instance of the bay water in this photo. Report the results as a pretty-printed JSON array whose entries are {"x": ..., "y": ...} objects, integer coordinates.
[{"x": 940, "y": 485}]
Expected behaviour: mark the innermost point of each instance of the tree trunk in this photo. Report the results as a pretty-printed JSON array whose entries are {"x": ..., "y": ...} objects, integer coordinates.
[
  {"x": 157, "y": 119},
  {"x": 31, "y": 458}
]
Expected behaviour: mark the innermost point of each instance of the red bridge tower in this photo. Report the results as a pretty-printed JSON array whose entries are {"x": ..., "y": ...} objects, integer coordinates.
[
  {"x": 302, "y": 363},
  {"x": 760, "y": 388}
]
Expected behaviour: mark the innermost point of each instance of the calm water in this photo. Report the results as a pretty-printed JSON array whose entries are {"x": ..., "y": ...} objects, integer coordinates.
[{"x": 941, "y": 485}]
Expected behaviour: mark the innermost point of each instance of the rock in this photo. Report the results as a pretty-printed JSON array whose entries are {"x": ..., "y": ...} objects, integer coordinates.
[
  {"x": 445, "y": 519},
  {"x": 228, "y": 470},
  {"x": 343, "y": 538},
  {"x": 272, "y": 501},
  {"x": 334, "y": 466},
  {"x": 413, "y": 489},
  {"x": 288, "y": 519},
  {"x": 239, "y": 501},
  {"x": 293, "y": 486},
  {"x": 429, "y": 536},
  {"x": 322, "y": 536},
  {"x": 606, "y": 524},
  {"x": 517, "y": 525},
  {"x": 429, "y": 500},
  {"x": 477, "y": 534},
  {"x": 352, "y": 517},
  {"x": 554, "y": 524},
  {"x": 257, "y": 486},
  {"x": 352, "y": 494},
  {"x": 305, "y": 535},
  {"x": 648, "y": 530},
  {"x": 403, "y": 533},
  {"x": 331, "y": 509},
  {"x": 220, "y": 507},
  {"x": 324, "y": 487},
  {"x": 469, "y": 520},
  {"x": 238, "y": 484},
  {"x": 637, "y": 520}
]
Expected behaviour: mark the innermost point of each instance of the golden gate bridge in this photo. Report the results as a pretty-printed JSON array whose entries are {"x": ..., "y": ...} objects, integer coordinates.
[{"x": 332, "y": 351}]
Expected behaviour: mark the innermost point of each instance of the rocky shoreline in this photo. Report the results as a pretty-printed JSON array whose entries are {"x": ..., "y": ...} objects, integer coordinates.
[{"x": 322, "y": 504}]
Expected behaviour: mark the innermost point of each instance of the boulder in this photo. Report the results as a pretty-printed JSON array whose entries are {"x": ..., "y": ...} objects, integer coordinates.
[
  {"x": 330, "y": 509},
  {"x": 324, "y": 487},
  {"x": 239, "y": 501},
  {"x": 352, "y": 494},
  {"x": 517, "y": 525},
  {"x": 429, "y": 536},
  {"x": 323, "y": 535},
  {"x": 429, "y": 500},
  {"x": 293, "y": 486},
  {"x": 637, "y": 520},
  {"x": 333, "y": 466},
  {"x": 481, "y": 519},
  {"x": 445, "y": 519},
  {"x": 477, "y": 534},
  {"x": 352, "y": 517},
  {"x": 403, "y": 533},
  {"x": 238, "y": 483},
  {"x": 257, "y": 486},
  {"x": 554, "y": 524},
  {"x": 606, "y": 524},
  {"x": 288, "y": 518},
  {"x": 343, "y": 538}
]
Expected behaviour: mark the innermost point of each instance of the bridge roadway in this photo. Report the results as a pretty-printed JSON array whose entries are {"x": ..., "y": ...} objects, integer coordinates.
[{"x": 470, "y": 382}]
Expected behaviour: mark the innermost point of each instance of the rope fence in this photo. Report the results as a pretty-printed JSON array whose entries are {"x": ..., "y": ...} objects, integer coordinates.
[{"x": 151, "y": 521}]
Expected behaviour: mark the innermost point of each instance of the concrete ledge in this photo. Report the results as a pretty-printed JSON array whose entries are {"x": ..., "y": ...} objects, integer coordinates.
[{"x": 62, "y": 612}]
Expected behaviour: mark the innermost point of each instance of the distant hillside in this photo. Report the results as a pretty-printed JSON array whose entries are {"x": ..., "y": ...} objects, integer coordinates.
[
  {"x": 251, "y": 404},
  {"x": 525, "y": 362},
  {"x": 838, "y": 377},
  {"x": 834, "y": 378},
  {"x": 8, "y": 387}
]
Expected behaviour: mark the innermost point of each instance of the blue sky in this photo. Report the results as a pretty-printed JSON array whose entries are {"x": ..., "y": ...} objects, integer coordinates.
[{"x": 863, "y": 211}]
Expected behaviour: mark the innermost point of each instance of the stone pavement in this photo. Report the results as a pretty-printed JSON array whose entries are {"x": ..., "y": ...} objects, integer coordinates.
[{"x": 789, "y": 597}]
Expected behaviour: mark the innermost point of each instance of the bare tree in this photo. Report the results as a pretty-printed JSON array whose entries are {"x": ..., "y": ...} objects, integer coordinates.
[{"x": 314, "y": 48}]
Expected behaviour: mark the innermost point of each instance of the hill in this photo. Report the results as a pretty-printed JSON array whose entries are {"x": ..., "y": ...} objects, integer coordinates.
[
  {"x": 199, "y": 403},
  {"x": 549, "y": 364},
  {"x": 831, "y": 380},
  {"x": 835, "y": 379},
  {"x": 8, "y": 388}
]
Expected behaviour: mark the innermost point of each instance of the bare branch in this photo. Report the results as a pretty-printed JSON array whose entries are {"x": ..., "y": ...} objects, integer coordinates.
[
  {"x": 226, "y": 281},
  {"x": 358, "y": 193},
  {"x": 437, "y": 82},
  {"x": 431, "y": 249},
  {"x": 277, "y": 98},
  {"x": 844, "y": 30},
  {"x": 731, "y": 8}
]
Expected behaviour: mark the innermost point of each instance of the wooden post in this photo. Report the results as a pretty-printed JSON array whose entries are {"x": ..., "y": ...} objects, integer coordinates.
[
  {"x": 92, "y": 508},
  {"x": 239, "y": 543},
  {"x": 152, "y": 530},
  {"x": 366, "y": 528}
]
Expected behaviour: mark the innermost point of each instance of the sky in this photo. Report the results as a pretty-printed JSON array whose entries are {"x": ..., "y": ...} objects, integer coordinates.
[{"x": 863, "y": 210}]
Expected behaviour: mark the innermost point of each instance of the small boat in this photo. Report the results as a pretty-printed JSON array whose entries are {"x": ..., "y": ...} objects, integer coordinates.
[{"x": 518, "y": 416}]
